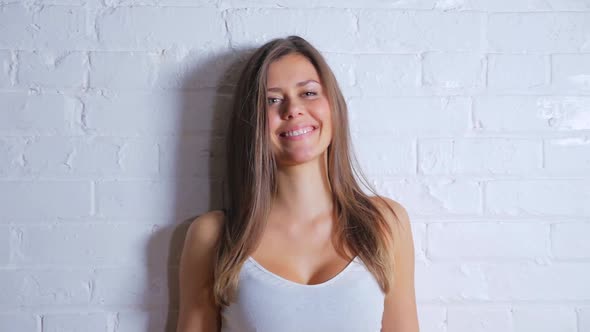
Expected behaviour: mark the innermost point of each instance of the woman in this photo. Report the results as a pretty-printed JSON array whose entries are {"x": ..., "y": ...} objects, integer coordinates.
[{"x": 301, "y": 247}]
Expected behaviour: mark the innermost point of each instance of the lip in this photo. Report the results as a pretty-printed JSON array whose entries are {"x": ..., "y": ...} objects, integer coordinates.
[{"x": 299, "y": 137}]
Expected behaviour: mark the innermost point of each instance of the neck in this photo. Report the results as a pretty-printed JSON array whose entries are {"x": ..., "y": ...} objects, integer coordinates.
[{"x": 303, "y": 191}]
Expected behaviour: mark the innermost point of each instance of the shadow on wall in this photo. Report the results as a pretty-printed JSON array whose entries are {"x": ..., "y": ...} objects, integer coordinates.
[{"x": 197, "y": 174}]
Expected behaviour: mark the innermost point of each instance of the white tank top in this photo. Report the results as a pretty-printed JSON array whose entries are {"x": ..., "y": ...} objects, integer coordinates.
[{"x": 352, "y": 301}]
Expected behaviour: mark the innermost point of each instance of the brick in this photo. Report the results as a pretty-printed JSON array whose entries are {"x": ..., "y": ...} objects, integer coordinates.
[
  {"x": 567, "y": 156},
  {"x": 182, "y": 198},
  {"x": 69, "y": 34},
  {"x": 151, "y": 321},
  {"x": 249, "y": 26},
  {"x": 5, "y": 242},
  {"x": 538, "y": 197},
  {"x": 571, "y": 72},
  {"x": 528, "y": 281},
  {"x": 201, "y": 156},
  {"x": 396, "y": 32},
  {"x": 379, "y": 156},
  {"x": 198, "y": 69},
  {"x": 131, "y": 287},
  {"x": 453, "y": 70},
  {"x": 19, "y": 322},
  {"x": 463, "y": 283},
  {"x": 52, "y": 69},
  {"x": 35, "y": 114},
  {"x": 430, "y": 116},
  {"x": 118, "y": 70},
  {"x": 6, "y": 68},
  {"x": 17, "y": 29},
  {"x": 91, "y": 3},
  {"x": 525, "y": 114},
  {"x": 45, "y": 199},
  {"x": 128, "y": 3},
  {"x": 187, "y": 3},
  {"x": 435, "y": 156},
  {"x": 160, "y": 3},
  {"x": 92, "y": 322},
  {"x": 567, "y": 113},
  {"x": 434, "y": 197},
  {"x": 444, "y": 283},
  {"x": 425, "y": 4},
  {"x": 419, "y": 236},
  {"x": 30, "y": 288},
  {"x": 479, "y": 156},
  {"x": 570, "y": 240},
  {"x": 583, "y": 318},
  {"x": 538, "y": 32},
  {"x": 161, "y": 113},
  {"x": 52, "y": 245},
  {"x": 155, "y": 28},
  {"x": 176, "y": 68},
  {"x": 67, "y": 156},
  {"x": 344, "y": 68},
  {"x": 507, "y": 113},
  {"x": 34, "y": 27},
  {"x": 11, "y": 155},
  {"x": 517, "y": 72},
  {"x": 480, "y": 240},
  {"x": 513, "y": 5},
  {"x": 479, "y": 320},
  {"x": 544, "y": 319},
  {"x": 432, "y": 318},
  {"x": 11, "y": 159},
  {"x": 386, "y": 75}
]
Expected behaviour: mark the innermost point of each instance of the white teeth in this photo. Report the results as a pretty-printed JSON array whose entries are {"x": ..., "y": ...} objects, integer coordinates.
[{"x": 298, "y": 132}]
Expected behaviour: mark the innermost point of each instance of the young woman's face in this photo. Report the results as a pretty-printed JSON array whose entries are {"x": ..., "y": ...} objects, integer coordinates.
[{"x": 298, "y": 111}]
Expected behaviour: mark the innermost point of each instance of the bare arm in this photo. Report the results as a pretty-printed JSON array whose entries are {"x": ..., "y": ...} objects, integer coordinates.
[
  {"x": 198, "y": 312},
  {"x": 400, "y": 312}
]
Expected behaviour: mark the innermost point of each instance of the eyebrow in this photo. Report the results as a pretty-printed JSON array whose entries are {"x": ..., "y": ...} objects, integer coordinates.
[{"x": 302, "y": 83}]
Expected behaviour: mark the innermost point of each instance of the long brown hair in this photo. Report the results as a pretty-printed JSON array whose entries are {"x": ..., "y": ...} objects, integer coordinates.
[{"x": 251, "y": 175}]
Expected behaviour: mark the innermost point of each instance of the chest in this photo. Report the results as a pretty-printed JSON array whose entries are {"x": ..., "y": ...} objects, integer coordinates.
[
  {"x": 306, "y": 256},
  {"x": 352, "y": 301}
]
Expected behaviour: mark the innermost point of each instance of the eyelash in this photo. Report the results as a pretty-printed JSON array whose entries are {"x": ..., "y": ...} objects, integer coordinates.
[{"x": 269, "y": 99}]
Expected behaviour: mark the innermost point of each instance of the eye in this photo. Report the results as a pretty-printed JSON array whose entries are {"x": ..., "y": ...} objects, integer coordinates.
[
  {"x": 310, "y": 93},
  {"x": 271, "y": 100}
]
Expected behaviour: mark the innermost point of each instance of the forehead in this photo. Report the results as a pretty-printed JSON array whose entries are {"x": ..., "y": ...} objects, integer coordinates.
[{"x": 289, "y": 70}]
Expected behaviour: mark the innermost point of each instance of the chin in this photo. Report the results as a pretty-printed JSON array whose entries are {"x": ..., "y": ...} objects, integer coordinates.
[{"x": 292, "y": 159}]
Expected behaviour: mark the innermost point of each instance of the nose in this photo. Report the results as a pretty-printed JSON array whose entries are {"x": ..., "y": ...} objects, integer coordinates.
[{"x": 292, "y": 109}]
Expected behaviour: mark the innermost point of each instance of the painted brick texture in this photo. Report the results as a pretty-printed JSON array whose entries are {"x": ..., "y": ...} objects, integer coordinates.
[{"x": 474, "y": 114}]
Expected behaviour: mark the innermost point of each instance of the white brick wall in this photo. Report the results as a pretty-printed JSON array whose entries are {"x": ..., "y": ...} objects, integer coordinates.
[{"x": 474, "y": 114}]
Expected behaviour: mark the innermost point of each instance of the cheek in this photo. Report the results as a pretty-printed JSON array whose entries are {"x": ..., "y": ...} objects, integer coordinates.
[
  {"x": 326, "y": 117},
  {"x": 322, "y": 112},
  {"x": 273, "y": 121},
  {"x": 273, "y": 124}
]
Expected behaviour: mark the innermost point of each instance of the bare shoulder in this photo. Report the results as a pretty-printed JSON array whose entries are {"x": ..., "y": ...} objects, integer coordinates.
[
  {"x": 197, "y": 310},
  {"x": 200, "y": 245},
  {"x": 399, "y": 222},
  {"x": 205, "y": 230},
  {"x": 400, "y": 219},
  {"x": 399, "y": 312}
]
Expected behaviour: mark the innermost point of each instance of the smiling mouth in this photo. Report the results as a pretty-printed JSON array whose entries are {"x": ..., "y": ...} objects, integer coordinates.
[{"x": 298, "y": 132}]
